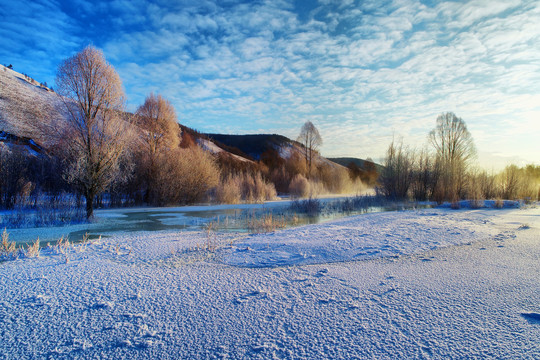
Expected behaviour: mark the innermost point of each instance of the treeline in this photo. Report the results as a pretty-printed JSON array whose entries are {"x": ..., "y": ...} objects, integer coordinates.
[
  {"x": 100, "y": 155},
  {"x": 446, "y": 171}
]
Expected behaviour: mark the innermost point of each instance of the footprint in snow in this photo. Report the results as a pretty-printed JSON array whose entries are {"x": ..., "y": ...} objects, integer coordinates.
[
  {"x": 533, "y": 318},
  {"x": 255, "y": 293},
  {"x": 264, "y": 347},
  {"x": 103, "y": 305},
  {"x": 136, "y": 343},
  {"x": 38, "y": 300},
  {"x": 134, "y": 315},
  {"x": 321, "y": 273},
  {"x": 327, "y": 300}
]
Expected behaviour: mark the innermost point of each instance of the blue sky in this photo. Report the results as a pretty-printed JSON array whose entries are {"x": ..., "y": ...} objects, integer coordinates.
[{"x": 361, "y": 71}]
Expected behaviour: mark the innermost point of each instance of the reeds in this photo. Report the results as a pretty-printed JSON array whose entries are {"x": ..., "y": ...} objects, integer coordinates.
[
  {"x": 8, "y": 250},
  {"x": 33, "y": 250},
  {"x": 266, "y": 223}
]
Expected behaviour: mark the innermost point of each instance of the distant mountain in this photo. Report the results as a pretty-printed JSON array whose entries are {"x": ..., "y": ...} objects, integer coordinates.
[
  {"x": 365, "y": 170},
  {"x": 345, "y": 161},
  {"x": 262, "y": 146},
  {"x": 253, "y": 145}
]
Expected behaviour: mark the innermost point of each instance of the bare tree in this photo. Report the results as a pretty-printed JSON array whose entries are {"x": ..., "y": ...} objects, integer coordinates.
[
  {"x": 159, "y": 133},
  {"x": 454, "y": 147},
  {"x": 95, "y": 134},
  {"x": 424, "y": 175},
  {"x": 396, "y": 177},
  {"x": 311, "y": 139}
]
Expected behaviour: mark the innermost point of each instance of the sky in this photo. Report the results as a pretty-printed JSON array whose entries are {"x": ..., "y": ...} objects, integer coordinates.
[{"x": 364, "y": 72}]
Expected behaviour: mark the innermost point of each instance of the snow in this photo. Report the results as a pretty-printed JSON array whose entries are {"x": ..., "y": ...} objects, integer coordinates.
[
  {"x": 24, "y": 101},
  {"x": 214, "y": 149},
  {"x": 378, "y": 235},
  {"x": 433, "y": 284}
]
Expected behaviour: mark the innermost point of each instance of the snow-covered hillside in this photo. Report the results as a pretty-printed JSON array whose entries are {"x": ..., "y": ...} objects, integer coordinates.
[
  {"x": 211, "y": 147},
  {"x": 432, "y": 284},
  {"x": 26, "y": 107},
  {"x": 257, "y": 145}
]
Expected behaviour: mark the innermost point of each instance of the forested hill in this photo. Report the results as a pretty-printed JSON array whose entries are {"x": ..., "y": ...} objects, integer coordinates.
[
  {"x": 361, "y": 163},
  {"x": 253, "y": 145}
]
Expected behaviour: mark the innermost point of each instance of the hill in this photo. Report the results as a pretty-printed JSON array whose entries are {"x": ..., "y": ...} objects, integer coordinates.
[
  {"x": 365, "y": 170},
  {"x": 32, "y": 117},
  {"x": 361, "y": 163},
  {"x": 253, "y": 145},
  {"x": 27, "y": 107}
]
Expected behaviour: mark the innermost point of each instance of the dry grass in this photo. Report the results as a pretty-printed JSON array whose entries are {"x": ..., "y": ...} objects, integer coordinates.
[
  {"x": 62, "y": 246},
  {"x": 33, "y": 250},
  {"x": 245, "y": 187},
  {"x": 8, "y": 250},
  {"x": 266, "y": 223},
  {"x": 211, "y": 243}
]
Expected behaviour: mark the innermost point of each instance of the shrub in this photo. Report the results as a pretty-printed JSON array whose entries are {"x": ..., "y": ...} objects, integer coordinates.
[
  {"x": 8, "y": 249},
  {"x": 397, "y": 176},
  {"x": 33, "y": 249},
  {"x": 475, "y": 192},
  {"x": 299, "y": 186},
  {"x": 455, "y": 205},
  {"x": 256, "y": 189},
  {"x": 185, "y": 176},
  {"x": 336, "y": 180},
  {"x": 245, "y": 187},
  {"x": 281, "y": 179},
  {"x": 309, "y": 206},
  {"x": 229, "y": 191}
]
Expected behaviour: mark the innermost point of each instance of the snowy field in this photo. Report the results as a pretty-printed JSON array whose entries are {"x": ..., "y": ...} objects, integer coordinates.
[{"x": 424, "y": 284}]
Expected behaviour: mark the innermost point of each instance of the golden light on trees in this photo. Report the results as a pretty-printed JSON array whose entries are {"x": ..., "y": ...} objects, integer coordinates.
[{"x": 95, "y": 136}]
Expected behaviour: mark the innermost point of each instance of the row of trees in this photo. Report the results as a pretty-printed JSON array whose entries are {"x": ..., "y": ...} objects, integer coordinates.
[
  {"x": 447, "y": 172},
  {"x": 132, "y": 156},
  {"x": 145, "y": 158},
  {"x": 97, "y": 148}
]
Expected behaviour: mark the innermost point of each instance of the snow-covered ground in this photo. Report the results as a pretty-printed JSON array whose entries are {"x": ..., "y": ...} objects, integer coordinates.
[{"x": 431, "y": 284}]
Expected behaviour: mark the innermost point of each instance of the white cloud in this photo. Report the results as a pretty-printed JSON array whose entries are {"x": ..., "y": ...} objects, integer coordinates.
[{"x": 363, "y": 71}]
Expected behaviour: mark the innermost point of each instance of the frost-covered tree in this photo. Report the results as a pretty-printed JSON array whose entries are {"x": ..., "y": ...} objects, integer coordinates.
[
  {"x": 454, "y": 148},
  {"x": 185, "y": 176},
  {"x": 312, "y": 140},
  {"x": 159, "y": 133},
  {"x": 95, "y": 135}
]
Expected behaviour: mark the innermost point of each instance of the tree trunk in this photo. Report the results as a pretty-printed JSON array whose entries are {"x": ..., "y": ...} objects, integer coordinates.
[{"x": 89, "y": 205}]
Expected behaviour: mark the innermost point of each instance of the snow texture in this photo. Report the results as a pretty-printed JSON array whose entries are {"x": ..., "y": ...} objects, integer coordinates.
[
  {"x": 22, "y": 101},
  {"x": 428, "y": 284}
]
